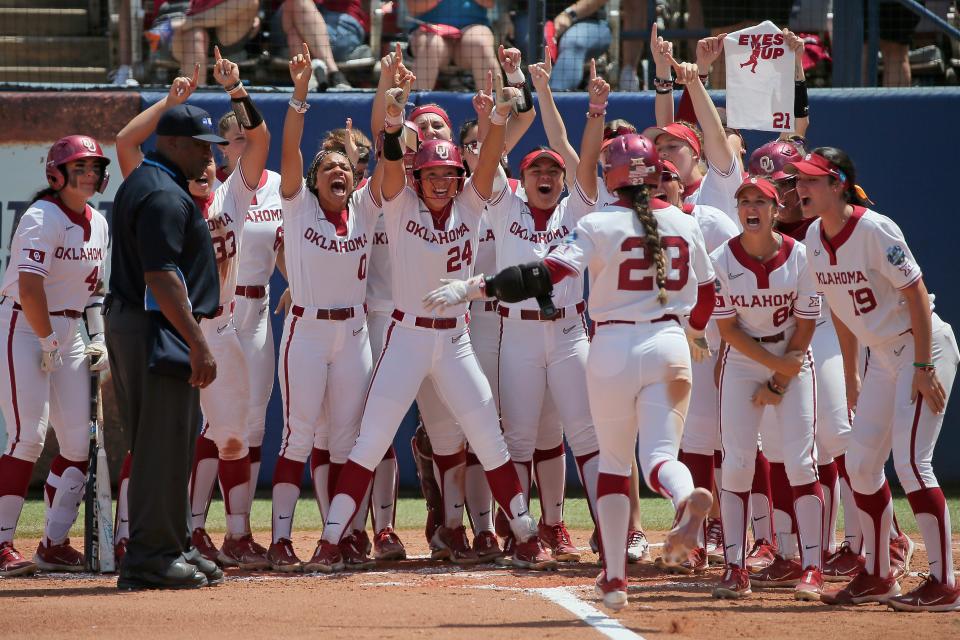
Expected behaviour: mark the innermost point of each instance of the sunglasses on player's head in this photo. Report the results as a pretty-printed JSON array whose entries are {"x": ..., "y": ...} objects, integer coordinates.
[
  {"x": 472, "y": 147},
  {"x": 610, "y": 134}
]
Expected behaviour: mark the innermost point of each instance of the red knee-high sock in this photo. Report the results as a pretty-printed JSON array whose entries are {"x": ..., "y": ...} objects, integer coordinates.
[
  {"x": 549, "y": 466},
  {"x": 784, "y": 518},
  {"x": 701, "y": 468},
  {"x": 876, "y": 515},
  {"x": 449, "y": 470},
  {"x": 588, "y": 467},
  {"x": 14, "y": 480},
  {"x": 323, "y": 486},
  {"x": 505, "y": 486},
  {"x": 234, "y": 484},
  {"x": 477, "y": 495},
  {"x": 830, "y": 485},
  {"x": 613, "y": 514},
  {"x": 808, "y": 514},
  {"x": 383, "y": 494},
  {"x": 121, "y": 526},
  {"x": 735, "y": 513},
  {"x": 352, "y": 482},
  {"x": 203, "y": 479},
  {"x": 933, "y": 519},
  {"x": 761, "y": 499},
  {"x": 256, "y": 454},
  {"x": 851, "y": 520},
  {"x": 287, "y": 476}
]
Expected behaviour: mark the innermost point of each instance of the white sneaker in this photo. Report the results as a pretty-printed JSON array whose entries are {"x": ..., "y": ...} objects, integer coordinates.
[
  {"x": 122, "y": 76},
  {"x": 318, "y": 79},
  {"x": 638, "y": 549}
]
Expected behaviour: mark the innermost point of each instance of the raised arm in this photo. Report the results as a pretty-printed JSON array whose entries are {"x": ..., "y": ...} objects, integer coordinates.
[
  {"x": 491, "y": 149},
  {"x": 510, "y": 60},
  {"x": 552, "y": 122},
  {"x": 227, "y": 75},
  {"x": 144, "y": 124},
  {"x": 717, "y": 149},
  {"x": 662, "y": 52},
  {"x": 291, "y": 160},
  {"x": 391, "y": 68},
  {"x": 394, "y": 173},
  {"x": 592, "y": 139},
  {"x": 801, "y": 105}
]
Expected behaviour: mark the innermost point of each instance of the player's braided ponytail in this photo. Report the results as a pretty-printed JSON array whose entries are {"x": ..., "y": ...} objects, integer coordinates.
[{"x": 640, "y": 197}]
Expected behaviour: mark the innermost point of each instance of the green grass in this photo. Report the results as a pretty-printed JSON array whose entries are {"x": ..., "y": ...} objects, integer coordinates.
[{"x": 657, "y": 515}]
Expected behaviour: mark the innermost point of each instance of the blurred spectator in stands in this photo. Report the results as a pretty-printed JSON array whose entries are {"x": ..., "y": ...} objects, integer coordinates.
[
  {"x": 450, "y": 30},
  {"x": 232, "y": 21},
  {"x": 724, "y": 16},
  {"x": 897, "y": 24},
  {"x": 122, "y": 76},
  {"x": 575, "y": 32},
  {"x": 633, "y": 17},
  {"x": 333, "y": 29}
]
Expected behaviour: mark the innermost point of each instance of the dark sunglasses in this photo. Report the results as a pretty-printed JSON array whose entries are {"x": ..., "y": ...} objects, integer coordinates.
[
  {"x": 610, "y": 134},
  {"x": 472, "y": 147}
]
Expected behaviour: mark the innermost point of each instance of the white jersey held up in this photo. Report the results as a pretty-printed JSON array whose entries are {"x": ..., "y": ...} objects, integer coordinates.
[
  {"x": 611, "y": 244},
  {"x": 760, "y": 87}
]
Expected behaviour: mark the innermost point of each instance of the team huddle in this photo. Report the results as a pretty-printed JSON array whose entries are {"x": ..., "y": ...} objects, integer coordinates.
[{"x": 758, "y": 341}]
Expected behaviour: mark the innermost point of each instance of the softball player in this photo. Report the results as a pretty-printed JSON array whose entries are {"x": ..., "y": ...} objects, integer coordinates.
[
  {"x": 433, "y": 234},
  {"x": 54, "y": 279},
  {"x": 328, "y": 228},
  {"x": 766, "y": 311},
  {"x": 875, "y": 290},
  {"x": 638, "y": 371}
]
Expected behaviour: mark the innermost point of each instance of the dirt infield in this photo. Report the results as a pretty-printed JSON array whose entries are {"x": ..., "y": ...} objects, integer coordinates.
[{"x": 423, "y": 599}]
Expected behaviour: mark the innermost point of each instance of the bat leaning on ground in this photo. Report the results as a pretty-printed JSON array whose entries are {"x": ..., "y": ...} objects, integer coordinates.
[{"x": 98, "y": 500}]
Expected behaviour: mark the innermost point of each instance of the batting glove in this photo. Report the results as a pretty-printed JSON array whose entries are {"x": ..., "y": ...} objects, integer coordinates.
[
  {"x": 697, "y": 341},
  {"x": 453, "y": 292},
  {"x": 96, "y": 351},
  {"x": 50, "y": 360}
]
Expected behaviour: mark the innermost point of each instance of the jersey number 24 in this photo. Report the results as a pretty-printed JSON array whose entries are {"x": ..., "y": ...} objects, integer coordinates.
[{"x": 677, "y": 260}]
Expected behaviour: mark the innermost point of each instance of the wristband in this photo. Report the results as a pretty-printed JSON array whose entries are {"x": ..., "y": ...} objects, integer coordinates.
[
  {"x": 596, "y": 114},
  {"x": 924, "y": 365},
  {"x": 705, "y": 79},
  {"x": 247, "y": 115},
  {"x": 497, "y": 119},
  {"x": 300, "y": 106},
  {"x": 663, "y": 81},
  {"x": 50, "y": 343},
  {"x": 801, "y": 104},
  {"x": 775, "y": 388},
  {"x": 392, "y": 149},
  {"x": 394, "y": 121},
  {"x": 233, "y": 88},
  {"x": 596, "y": 108},
  {"x": 663, "y": 90},
  {"x": 515, "y": 77},
  {"x": 527, "y": 99}
]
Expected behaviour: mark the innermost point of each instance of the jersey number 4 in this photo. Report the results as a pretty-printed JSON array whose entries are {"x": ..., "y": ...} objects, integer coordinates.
[
  {"x": 678, "y": 260},
  {"x": 457, "y": 258}
]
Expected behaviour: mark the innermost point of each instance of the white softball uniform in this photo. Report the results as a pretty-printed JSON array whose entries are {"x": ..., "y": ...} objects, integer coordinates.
[
  {"x": 225, "y": 400},
  {"x": 718, "y": 189},
  {"x": 639, "y": 346},
  {"x": 418, "y": 346},
  {"x": 68, "y": 250},
  {"x": 765, "y": 299},
  {"x": 861, "y": 271},
  {"x": 701, "y": 431},
  {"x": 325, "y": 351},
  {"x": 539, "y": 356},
  {"x": 262, "y": 239}
]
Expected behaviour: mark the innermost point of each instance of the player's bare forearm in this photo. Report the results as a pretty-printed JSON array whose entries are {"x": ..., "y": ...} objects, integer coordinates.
[
  {"x": 489, "y": 161},
  {"x": 737, "y": 338},
  {"x": 171, "y": 297},
  {"x": 918, "y": 303},
  {"x": 586, "y": 170},
  {"x": 557, "y": 134},
  {"x": 799, "y": 342},
  {"x": 136, "y": 133},
  {"x": 33, "y": 299},
  {"x": 291, "y": 160},
  {"x": 715, "y": 146}
]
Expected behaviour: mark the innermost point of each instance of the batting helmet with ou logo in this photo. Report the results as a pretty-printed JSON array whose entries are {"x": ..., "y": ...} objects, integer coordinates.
[
  {"x": 770, "y": 159},
  {"x": 73, "y": 148},
  {"x": 630, "y": 160},
  {"x": 438, "y": 153}
]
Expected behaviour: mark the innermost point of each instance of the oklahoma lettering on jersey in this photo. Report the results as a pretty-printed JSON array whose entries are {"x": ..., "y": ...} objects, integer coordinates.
[
  {"x": 421, "y": 256},
  {"x": 379, "y": 297},
  {"x": 860, "y": 272},
  {"x": 610, "y": 243},
  {"x": 262, "y": 233},
  {"x": 225, "y": 220},
  {"x": 764, "y": 297},
  {"x": 519, "y": 241},
  {"x": 326, "y": 269},
  {"x": 66, "y": 248}
]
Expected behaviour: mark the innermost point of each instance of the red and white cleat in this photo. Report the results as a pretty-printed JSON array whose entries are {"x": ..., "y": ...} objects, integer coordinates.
[
  {"x": 58, "y": 557},
  {"x": 487, "y": 546},
  {"x": 353, "y": 549},
  {"x": 533, "y": 555},
  {"x": 326, "y": 559},
  {"x": 810, "y": 586},
  {"x": 781, "y": 574},
  {"x": 843, "y": 564},
  {"x": 863, "y": 588},
  {"x": 931, "y": 595},
  {"x": 901, "y": 553},
  {"x": 761, "y": 555},
  {"x": 388, "y": 546},
  {"x": 120, "y": 550},
  {"x": 638, "y": 549},
  {"x": 282, "y": 557},
  {"x": 696, "y": 562},
  {"x": 683, "y": 537},
  {"x": 12, "y": 562},
  {"x": 734, "y": 585},
  {"x": 714, "y": 540},
  {"x": 505, "y": 559},
  {"x": 612, "y": 592},
  {"x": 201, "y": 540},
  {"x": 453, "y": 545},
  {"x": 557, "y": 538},
  {"x": 244, "y": 553}
]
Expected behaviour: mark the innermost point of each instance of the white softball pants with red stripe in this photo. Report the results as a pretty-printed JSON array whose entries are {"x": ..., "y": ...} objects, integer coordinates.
[
  {"x": 886, "y": 418},
  {"x": 252, "y": 318},
  {"x": 740, "y": 419},
  {"x": 31, "y": 398},
  {"x": 224, "y": 401},
  {"x": 701, "y": 430},
  {"x": 541, "y": 359},
  {"x": 325, "y": 370},
  {"x": 410, "y": 356}
]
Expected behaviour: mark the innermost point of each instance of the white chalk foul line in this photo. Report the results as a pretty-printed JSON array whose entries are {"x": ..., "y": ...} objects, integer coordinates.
[{"x": 590, "y": 615}]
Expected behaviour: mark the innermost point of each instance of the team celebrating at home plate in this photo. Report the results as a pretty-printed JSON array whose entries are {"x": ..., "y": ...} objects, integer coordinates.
[{"x": 741, "y": 331}]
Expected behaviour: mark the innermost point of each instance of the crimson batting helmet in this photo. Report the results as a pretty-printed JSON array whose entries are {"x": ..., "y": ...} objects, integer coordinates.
[
  {"x": 73, "y": 148},
  {"x": 630, "y": 160},
  {"x": 770, "y": 159},
  {"x": 438, "y": 153}
]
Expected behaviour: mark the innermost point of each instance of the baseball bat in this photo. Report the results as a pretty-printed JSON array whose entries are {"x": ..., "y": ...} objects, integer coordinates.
[
  {"x": 91, "y": 524},
  {"x": 99, "y": 500}
]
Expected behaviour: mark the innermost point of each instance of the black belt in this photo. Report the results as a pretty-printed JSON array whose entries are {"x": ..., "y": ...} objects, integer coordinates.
[
  {"x": 66, "y": 313},
  {"x": 777, "y": 337}
]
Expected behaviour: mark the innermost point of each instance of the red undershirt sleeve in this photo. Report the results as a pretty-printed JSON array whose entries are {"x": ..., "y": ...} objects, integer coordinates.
[
  {"x": 559, "y": 271},
  {"x": 704, "y": 308}
]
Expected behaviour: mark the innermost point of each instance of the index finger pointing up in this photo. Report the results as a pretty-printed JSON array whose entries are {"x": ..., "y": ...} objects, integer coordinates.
[
  {"x": 306, "y": 51},
  {"x": 216, "y": 53},
  {"x": 593, "y": 68},
  {"x": 196, "y": 75}
]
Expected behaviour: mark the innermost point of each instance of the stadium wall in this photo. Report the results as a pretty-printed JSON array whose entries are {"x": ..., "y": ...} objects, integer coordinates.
[{"x": 902, "y": 140}]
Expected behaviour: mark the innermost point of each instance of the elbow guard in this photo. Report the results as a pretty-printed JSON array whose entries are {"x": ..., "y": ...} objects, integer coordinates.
[{"x": 518, "y": 283}]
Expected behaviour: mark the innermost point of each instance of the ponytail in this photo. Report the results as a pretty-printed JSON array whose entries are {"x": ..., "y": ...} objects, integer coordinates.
[
  {"x": 639, "y": 196},
  {"x": 853, "y": 193}
]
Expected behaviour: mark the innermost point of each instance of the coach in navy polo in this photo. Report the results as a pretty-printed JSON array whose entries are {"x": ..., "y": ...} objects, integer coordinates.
[{"x": 163, "y": 279}]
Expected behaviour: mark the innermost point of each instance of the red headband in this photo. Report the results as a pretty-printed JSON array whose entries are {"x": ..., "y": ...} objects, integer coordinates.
[{"x": 434, "y": 109}]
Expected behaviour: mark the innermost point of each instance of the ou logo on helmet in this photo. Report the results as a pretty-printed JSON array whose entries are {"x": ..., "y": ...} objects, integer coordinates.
[
  {"x": 443, "y": 152},
  {"x": 89, "y": 144},
  {"x": 766, "y": 163}
]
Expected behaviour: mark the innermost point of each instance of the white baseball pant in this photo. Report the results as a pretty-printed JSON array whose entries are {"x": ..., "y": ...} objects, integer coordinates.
[
  {"x": 224, "y": 401},
  {"x": 252, "y": 319}
]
